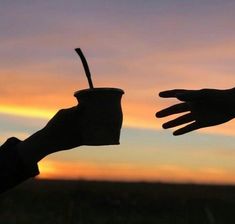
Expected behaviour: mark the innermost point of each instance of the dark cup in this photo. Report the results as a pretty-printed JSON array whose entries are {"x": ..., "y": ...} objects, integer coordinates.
[{"x": 102, "y": 115}]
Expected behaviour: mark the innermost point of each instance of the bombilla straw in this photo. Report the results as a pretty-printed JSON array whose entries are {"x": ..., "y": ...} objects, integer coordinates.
[{"x": 86, "y": 67}]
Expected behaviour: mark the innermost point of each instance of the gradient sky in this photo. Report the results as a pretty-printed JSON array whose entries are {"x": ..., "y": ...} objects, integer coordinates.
[{"x": 140, "y": 46}]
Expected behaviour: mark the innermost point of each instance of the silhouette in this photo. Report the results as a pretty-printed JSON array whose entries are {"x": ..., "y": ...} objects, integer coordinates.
[
  {"x": 18, "y": 159},
  {"x": 103, "y": 107},
  {"x": 97, "y": 120},
  {"x": 203, "y": 108}
]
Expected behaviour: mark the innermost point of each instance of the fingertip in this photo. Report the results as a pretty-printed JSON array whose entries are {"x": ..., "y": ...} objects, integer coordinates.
[
  {"x": 165, "y": 94},
  {"x": 165, "y": 126},
  {"x": 160, "y": 114},
  {"x": 176, "y": 133},
  {"x": 157, "y": 115},
  {"x": 180, "y": 131}
]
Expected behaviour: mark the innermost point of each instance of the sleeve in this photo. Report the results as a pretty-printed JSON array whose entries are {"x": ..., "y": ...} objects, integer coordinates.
[{"x": 12, "y": 169}]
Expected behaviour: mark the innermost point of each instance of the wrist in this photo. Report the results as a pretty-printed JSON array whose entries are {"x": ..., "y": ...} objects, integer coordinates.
[
  {"x": 32, "y": 149},
  {"x": 231, "y": 101}
]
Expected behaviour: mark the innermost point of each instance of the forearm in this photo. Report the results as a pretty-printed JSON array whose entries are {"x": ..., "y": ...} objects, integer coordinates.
[
  {"x": 33, "y": 149},
  {"x": 43, "y": 143},
  {"x": 13, "y": 170}
]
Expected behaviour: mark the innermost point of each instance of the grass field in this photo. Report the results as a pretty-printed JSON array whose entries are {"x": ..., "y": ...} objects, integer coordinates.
[{"x": 88, "y": 202}]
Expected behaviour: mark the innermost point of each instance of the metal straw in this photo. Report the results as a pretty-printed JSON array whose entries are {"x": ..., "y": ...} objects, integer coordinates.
[{"x": 86, "y": 67}]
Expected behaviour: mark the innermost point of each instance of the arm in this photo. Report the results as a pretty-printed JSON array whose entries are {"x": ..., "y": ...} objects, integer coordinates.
[
  {"x": 12, "y": 168},
  {"x": 18, "y": 159},
  {"x": 201, "y": 108}
]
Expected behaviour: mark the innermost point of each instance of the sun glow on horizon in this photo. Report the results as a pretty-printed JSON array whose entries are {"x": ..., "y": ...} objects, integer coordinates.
[{"x": 126, "y": 172}]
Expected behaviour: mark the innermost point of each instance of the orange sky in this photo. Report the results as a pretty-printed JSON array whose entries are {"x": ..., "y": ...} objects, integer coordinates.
[
  {"x": 126, "y": 172},
  {"x": 141, "y": 47}
]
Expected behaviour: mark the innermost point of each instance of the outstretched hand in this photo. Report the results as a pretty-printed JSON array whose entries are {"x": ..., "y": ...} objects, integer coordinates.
[{"x": 201, "y": 108}]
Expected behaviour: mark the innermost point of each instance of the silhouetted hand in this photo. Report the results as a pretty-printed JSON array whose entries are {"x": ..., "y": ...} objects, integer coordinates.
[
  {"x": 62, "y": 132},
  {"x": 202, "y": 108}
]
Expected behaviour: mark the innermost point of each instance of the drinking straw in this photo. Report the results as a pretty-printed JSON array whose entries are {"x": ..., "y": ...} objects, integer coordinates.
[{"x": 86, "y": 67}]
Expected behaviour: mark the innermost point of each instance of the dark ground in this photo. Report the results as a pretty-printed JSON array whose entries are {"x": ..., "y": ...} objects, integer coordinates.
[{"x": 88, "y": 202}]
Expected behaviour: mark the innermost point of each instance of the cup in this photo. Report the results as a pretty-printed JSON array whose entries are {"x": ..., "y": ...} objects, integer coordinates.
[{"x": 102, "y": 115}]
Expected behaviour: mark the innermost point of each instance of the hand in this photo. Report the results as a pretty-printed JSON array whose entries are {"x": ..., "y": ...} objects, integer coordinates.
[
  {"x": 203, "y": 108},
  {"x": 62, "y": 132}
]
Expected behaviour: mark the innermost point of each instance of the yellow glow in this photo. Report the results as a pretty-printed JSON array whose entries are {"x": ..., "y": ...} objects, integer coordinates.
[
  {"x": 26, "y": 111},
  {"x": 145, "y": 120},
  {"x": 87, "y": 170}
]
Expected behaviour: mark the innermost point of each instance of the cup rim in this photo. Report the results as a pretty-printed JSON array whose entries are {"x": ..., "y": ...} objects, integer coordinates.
[{"x": 82, "y": 91}]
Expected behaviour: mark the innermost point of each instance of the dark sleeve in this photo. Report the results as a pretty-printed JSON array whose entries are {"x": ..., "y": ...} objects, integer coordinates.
[{"x": 12, "y": 169}]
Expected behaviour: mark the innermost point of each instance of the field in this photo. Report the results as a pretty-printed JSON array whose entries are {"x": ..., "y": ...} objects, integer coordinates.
[{"x": 88, "y": 202}]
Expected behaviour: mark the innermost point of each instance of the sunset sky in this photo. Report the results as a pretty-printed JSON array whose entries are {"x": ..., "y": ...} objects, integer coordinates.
[{"x": 141, "y": 46}]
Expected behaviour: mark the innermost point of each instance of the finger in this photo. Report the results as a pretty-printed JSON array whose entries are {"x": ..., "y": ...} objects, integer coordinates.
[
  {"x": 171, "y": 93},
  {"x": 194, "y": 95},
  {"x": 179, "y": 121},
  {"x": 191, "y": 127},
  {"x": 175, "y": 109},
  {"x": 70, "y": 110}
]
